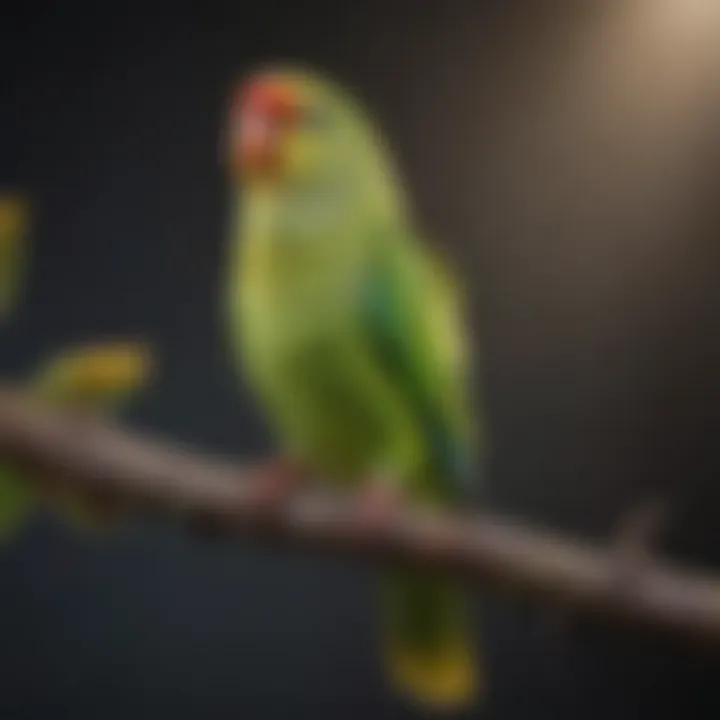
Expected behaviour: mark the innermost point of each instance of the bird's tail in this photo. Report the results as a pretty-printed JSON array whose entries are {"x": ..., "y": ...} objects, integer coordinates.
[{"x": 429, "y": 641}]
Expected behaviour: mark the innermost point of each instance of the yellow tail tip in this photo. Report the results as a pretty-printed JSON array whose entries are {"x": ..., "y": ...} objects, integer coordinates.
[{"x": 446, "y": 681}]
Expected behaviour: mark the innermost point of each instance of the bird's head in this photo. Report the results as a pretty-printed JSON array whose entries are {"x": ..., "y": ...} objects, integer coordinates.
[{"x": 290, "y": 126}]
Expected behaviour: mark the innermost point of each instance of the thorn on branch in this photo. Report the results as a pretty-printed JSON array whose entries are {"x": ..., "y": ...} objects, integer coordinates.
[
  {"x": 275, "y": 483},
  {"x": 635, "y": 539}
]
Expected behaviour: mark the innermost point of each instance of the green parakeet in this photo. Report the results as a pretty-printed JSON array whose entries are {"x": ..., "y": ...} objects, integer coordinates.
[
  {"x": 93, "y": 378},
  {"x": 350, "y": 330}
]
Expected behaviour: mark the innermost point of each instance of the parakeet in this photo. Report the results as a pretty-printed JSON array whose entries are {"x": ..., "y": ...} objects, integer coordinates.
[
  {"x": 93, "y": 378},
  {"x": 349, "y": 328}
]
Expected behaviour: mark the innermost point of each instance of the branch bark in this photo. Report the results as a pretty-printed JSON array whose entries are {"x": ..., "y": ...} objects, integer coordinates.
[{"x": 159, "y": 477}]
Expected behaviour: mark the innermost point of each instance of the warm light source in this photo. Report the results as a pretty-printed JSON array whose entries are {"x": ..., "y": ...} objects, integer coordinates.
[{"x": 676, "y": 36}]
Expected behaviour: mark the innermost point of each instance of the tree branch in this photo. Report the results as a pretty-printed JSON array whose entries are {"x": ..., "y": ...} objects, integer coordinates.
[{"x": 154, "y": 476}]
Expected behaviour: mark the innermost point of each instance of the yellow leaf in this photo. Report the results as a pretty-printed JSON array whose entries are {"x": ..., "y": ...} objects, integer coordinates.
[
  {"x": 95, "y": 375},
  {"x": 14, "y": 226}
]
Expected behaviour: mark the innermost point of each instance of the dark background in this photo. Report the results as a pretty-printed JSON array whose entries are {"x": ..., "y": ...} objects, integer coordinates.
[{"x": 565, "y": 152}]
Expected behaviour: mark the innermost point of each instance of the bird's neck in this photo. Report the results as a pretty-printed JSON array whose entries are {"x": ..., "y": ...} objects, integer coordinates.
[
  {"x": 285, "y": 232},
  {"x": 316, "y": 235}
]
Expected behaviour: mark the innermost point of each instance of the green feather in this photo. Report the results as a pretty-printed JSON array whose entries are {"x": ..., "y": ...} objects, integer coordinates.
[{"x": 409, "y": 323}]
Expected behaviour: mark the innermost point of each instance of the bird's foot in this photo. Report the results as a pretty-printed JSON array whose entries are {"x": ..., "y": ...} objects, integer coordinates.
[
  {"x": 273, "y": 483},
  {"x": 277, "y": 480},
  {"x": 378, "y": 504}
]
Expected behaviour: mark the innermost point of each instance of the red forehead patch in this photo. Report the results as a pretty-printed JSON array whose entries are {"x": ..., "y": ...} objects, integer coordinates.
[{"x": 267, "y": 97}]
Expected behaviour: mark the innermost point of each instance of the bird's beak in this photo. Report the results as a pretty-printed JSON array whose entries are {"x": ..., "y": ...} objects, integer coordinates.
[
  {"x": 258, "y": 152},
  {"x": 260, "y": 119}
]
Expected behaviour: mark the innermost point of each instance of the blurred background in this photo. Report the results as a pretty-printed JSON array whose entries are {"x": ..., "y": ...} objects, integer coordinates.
[{"x": 566, "y": 153}]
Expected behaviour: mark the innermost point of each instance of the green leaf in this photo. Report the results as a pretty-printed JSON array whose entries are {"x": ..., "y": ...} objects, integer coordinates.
[{"x": 16, "y": 499}]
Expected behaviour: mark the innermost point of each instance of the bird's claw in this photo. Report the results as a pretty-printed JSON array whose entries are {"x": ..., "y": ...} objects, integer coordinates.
[
  {"x": 378, "y": 504},
  {"x": 277, "y": 480}
]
